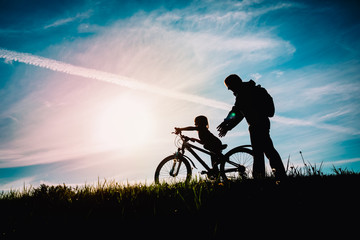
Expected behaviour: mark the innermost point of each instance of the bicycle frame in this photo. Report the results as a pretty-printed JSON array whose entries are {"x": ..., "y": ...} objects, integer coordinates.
[
  {"x": 189, "y": 147},
  {"x": 171, "y": 166}
]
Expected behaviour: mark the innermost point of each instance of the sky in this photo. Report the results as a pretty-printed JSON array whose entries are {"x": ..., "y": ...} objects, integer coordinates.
[{"x": 92, "y": 90}]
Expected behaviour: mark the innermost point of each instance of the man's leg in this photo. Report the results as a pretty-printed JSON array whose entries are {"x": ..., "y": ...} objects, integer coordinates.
[
  {"x": 258, "y": 151},
  {"x": 273, "y": 156}
]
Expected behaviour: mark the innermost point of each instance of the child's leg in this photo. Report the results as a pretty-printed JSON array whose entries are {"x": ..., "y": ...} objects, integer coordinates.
[
  {"x": 214, "y": 164},
  {"x": 216, "y": 159}
]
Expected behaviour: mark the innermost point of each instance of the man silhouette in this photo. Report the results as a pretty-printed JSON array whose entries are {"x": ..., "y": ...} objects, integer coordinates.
[{"x": 255, "y": 105}]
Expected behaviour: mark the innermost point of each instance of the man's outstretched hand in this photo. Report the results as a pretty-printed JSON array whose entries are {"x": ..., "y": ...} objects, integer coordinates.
[{"x": 222, "y": 128}]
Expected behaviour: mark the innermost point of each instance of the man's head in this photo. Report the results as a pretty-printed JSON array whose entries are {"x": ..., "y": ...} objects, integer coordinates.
[{"x": 233, "y": 82}]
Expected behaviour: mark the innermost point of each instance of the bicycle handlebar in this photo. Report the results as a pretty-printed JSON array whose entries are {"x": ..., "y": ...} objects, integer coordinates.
[{"x": 183, "y": 137}]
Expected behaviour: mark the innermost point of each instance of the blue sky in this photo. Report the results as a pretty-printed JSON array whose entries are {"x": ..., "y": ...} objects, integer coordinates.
[{"x": 64, "y": 119}]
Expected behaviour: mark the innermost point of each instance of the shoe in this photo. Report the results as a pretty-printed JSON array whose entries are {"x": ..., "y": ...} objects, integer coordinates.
[{"x": 214, "y": 173}]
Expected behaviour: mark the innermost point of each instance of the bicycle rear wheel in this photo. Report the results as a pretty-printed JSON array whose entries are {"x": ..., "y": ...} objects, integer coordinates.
[
  {"x": 238, "y": 164},
  {"x": 173, "y": 170}
]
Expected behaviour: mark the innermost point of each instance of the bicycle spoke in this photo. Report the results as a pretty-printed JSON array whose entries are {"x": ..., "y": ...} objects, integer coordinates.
[
  {"x": 173, "y": 171},
  {"x": 239, "y": 164}
]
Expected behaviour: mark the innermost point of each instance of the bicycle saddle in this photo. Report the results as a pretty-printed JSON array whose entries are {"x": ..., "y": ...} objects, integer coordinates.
[{"x": 223, "y": 146}]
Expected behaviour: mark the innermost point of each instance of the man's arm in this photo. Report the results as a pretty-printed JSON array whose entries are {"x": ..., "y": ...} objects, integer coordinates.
[{"x": 233, "y": 118}]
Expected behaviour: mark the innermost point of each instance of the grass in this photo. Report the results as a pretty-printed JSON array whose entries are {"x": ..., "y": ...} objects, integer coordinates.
[{"x": 200, "y": 208}]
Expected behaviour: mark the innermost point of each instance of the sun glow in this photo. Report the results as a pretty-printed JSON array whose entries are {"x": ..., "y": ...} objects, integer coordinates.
[{"x": 125, "y": 122}]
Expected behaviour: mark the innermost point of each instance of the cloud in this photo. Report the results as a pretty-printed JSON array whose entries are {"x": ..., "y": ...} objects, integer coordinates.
[
  {"x": 225, "y": 16},
  {"x": 343, "y": 161},
  {"x": 255, "y": 76},
  {"x": 141, "y": 46},
  {"x": 106, "y": 77},
  {"x": 19, "y": 184},
  {"x": 340, "y": 91},
  {"x": 278, "y": 73},
  {"x": 149, "y": 53},
  {"x": 335, "y": 114},
  {"x": 316, "y": 124},
  {"x": 63, "y": 21},
  {"x": 170, "y": 55},
  {"x": 137, "y": 85}
]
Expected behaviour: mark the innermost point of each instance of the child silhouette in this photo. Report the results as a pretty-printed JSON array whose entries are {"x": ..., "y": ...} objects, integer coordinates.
[{"x": 206, "y": 138}]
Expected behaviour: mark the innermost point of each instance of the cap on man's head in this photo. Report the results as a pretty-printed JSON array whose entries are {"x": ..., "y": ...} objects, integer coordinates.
[{"x": 232, "y": 81}]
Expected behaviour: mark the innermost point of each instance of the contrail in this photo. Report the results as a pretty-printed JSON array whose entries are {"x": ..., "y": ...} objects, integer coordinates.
[{"x": 123, "y": 81}]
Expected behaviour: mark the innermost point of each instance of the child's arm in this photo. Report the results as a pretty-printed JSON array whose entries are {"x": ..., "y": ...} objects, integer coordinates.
[{"x": 191, "y": 128}]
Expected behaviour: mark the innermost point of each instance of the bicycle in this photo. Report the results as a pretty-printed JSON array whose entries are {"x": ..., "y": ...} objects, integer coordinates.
[{"x": 237, "y": 163}]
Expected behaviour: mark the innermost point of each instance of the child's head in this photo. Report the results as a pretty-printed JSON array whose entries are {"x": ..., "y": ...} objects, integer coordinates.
[{"x": 201, "y": 121}]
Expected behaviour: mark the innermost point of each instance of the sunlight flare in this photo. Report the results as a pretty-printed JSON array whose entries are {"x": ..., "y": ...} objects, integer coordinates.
[{"x": 125, "y": 122}]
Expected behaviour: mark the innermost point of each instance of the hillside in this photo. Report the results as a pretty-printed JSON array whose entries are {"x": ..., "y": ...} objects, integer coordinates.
[{"x": 199, "y": 209}]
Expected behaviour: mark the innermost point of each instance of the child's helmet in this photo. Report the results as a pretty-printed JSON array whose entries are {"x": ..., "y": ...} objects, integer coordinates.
[{"x": 201, "y": 121}]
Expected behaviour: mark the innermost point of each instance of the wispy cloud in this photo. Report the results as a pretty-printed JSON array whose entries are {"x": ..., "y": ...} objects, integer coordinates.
[
  {"x": 19, "y": 184},
  {"x": 137, "y": 85},
  {"x": 344, "y": 161},
  {"x": 166, "y": 54},
  {"x": 176, "y": 59},
  {"x": 106, "y": 77},
  {"x": 63, "y": 21},
  {"x": 337, "y": 90},
  {"x": 316, "y": 124},
  {"x": 223, "y": 16},
  {"x": 335, "y": 114}
]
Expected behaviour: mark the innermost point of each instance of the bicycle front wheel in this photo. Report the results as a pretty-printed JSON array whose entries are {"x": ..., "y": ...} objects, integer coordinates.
[
  {"x": 173, "y": 170},
  {"x": 238, "y": 164}
]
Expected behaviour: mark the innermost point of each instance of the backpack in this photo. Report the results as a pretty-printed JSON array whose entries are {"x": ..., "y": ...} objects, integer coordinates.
[{"x": 266, "y": 102}]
